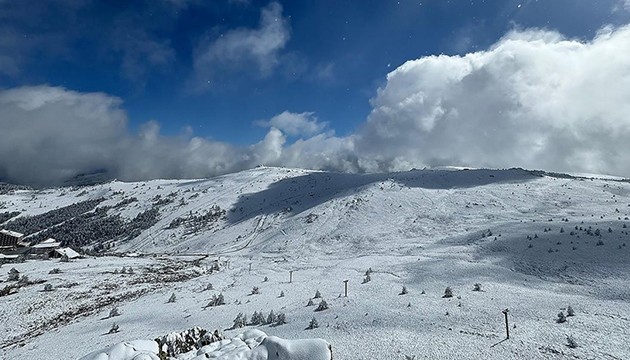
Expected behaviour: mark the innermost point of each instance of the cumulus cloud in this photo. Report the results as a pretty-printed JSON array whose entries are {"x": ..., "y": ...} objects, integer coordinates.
[
  {"x": 303, "y": 124},
  {"x": 534, "y": 99},
  {"x": 52, "y": 134},
  {"x": 238, "y": 47}
]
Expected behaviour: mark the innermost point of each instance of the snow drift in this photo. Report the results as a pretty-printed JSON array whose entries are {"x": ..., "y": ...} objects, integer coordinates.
[{"x": 251, "y": 345}]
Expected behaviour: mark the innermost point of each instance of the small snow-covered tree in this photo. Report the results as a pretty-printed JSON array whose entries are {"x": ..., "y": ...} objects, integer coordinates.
[
  {"x": 209, "y": 286},
  {"x": 571, "y": 342},
  {"x": 366, "y": 279},
  {"x": 271, "y": 318},
  {"x": 310, "y": 302},
  {"x": 64, "y": 258},
  {"x": 255, "y": 290},
  {"x": 561, "y": 318},
  {"x": 404, "y": 291},
  {"x": 114, "y": 312},
  {"x": 48, "y": 287},
  {"x": 317, "y": 295},
  {"x": 323, "y": 305},
  {"x": 55, "y": 271},
  {"x": 477, "y": 287},
  {"x": 313, "y": 324},
  {"x": 448, "y": 292},
  {"x": 240, "y": 321},
  {"x": 265, "y": 279},
  {"x": 172, "y": 299},
  {"x": 570, "y": 311},
  {"x": 114, "y": 329},
  {"x": 281, "y": 293},
  {"x": 24, "y": 280},
  {"x": 257, "y": 318},
  {"x": 14, "y": 275},
  {"x": 281, "y": 319}
]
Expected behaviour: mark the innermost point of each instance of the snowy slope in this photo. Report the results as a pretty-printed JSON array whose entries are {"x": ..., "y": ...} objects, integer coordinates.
[{"x": 536, "y": 242}]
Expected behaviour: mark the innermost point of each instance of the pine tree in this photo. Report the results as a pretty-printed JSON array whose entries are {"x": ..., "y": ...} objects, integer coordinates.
[
  {"x": 114, "y": 329},
  {"x": 317, "y": 295},
  {"x": 310, "y": 302},
  {"x": 323, "y": 305},
  {"x": 570, "y": 311},
  {"x": 281, "y": 319},
  {"x": 271, "y": 318},
  {"x": 313, "y": 324},
  {"x": 404, "y": 291},
  {"x": 448, "y": 292},
  {"x": 114, "y": 312},
  {"x": 172, "y": 298},
  {"x": 240, "y": 321},
  {"x": 561, "y": 318}
]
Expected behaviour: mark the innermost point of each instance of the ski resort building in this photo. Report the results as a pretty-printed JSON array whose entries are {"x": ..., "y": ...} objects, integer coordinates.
[
  {"x": 9, "y": 240},
  {"x": 45, "y": 247}
]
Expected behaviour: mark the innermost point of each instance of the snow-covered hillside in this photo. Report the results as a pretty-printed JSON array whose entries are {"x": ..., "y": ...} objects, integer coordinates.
[{"x": 535, "y": 242}]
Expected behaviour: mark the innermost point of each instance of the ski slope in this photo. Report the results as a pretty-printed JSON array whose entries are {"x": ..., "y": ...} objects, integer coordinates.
[{"x": 529, "y": 238}]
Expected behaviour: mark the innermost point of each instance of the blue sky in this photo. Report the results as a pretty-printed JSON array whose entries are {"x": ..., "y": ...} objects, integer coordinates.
[
  {"x": 336, "y": 53},
  {"x": 227, "y": 73}
]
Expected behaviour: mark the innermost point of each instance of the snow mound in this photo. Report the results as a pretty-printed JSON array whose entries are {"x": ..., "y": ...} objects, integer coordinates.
[
  {"x": 130, "y": 350},
  {"x": 250, "y": 345}
]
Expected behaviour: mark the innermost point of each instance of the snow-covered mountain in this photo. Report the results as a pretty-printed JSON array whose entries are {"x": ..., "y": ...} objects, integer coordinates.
[{"x": 535, "y": 241}]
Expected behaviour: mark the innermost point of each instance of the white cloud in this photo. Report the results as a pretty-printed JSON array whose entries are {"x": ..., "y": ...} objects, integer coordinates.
[
  {"x": 534, "y": 99},
  {"x": 241, "y": 47},
  {"x": 294, "y": 124}
]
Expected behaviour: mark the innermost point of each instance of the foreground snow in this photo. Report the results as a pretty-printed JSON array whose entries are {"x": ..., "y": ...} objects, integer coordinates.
[{"x": 251, "y": 345}]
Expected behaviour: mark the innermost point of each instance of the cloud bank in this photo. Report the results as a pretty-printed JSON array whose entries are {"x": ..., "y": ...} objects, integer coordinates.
[{"x": 534, "y": 99}]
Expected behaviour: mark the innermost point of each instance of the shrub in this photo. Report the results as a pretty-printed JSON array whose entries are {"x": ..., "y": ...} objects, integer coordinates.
[
  {"x": 265, "y": 279},
  {"x": 561, "y": 318},
  {"x": 55, "y": 271},
  {"x": 64, "y": 258},
  {"x": 14, "y": 275},
  {"x": 571, "y": 342},
  {"x": 448, "y": 292},
  {"x": 255, "y": 290},
  {"x": 313, "y": 324},
  {"x": 570, "y": 311},
  {"x": 599, "y": 242},
  {"x": 24, "y": 280},
  {"x": 477, "y": 287},
  {"x": 209, "y": 286},
  {"x": 48, "y": 287},
  {"x": 403, "y": 291},
  {"x": 323, "y": 305},
  {"x": 281, "y": 293}
]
